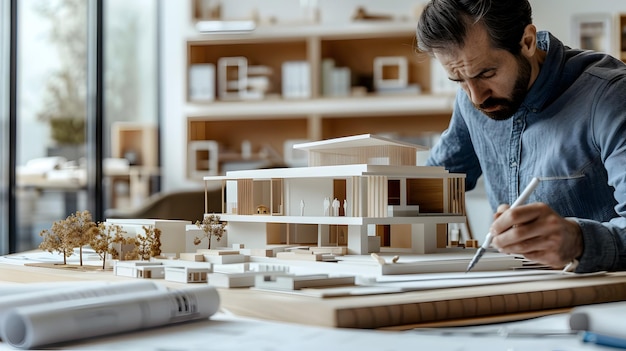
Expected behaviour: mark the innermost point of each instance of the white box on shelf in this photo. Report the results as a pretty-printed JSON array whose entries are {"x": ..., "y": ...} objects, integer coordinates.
[
  {"x": 328, "y": 66},
  {"x": 398, "y": 80},
  {"x": 232, "y": 77},
  {"x": 202, "y": 82},
  {"x": 341, "y": 81},
  {"x": 439, "y": 82},
  {"x": 296, "y": 80},
  {"x": 212, "y": 148}
]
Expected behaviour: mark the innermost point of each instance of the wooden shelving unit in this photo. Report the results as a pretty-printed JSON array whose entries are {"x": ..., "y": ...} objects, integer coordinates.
[
  {"x": 136, "y": 141},
  {"x": 273, "y": 120}
]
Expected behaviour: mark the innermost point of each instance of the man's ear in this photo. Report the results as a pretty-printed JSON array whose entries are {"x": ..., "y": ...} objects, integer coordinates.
[{"x": 528, "y": 43}]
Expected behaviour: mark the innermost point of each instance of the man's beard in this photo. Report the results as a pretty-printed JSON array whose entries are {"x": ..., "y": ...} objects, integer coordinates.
[{"x": 508, "y": 106}]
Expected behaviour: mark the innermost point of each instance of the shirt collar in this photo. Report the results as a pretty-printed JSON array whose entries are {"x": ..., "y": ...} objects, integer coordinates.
[{"x": 547, "y": 80}]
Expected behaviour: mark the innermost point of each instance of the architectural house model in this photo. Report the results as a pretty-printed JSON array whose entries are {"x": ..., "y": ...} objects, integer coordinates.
[{"x": 364, "y": 192}]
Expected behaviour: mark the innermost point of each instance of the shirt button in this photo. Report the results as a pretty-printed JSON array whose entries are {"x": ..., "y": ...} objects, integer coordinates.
[
  {"x": 513, "y": 164},
  {"x": 534, "y": 110}
]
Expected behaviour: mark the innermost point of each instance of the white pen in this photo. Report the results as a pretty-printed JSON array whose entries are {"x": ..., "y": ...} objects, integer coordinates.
[{"x": 520, "y": 200}]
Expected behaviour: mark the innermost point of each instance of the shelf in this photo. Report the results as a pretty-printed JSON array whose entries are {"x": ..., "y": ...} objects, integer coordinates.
[
  {"x": 340, "y": 75},
  {"x": 135, "y": 141},
  {"x": 353, "y": 106},
  {"x": 353, "y": 30}
]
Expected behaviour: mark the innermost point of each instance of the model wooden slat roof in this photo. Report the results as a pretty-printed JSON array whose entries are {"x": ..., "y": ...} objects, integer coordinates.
[
  {"x": 358, "y": 149},
  {"x": 355, "y": 141}
]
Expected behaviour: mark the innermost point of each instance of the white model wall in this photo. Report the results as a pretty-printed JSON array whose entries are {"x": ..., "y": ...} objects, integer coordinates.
[{"x": 312, "y": 192}]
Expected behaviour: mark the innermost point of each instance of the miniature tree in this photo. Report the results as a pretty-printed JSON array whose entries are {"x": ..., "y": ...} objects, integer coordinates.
[
  {"x": 102, "y": 237},
  {"x": 149, "y": 244},
  {"x": 81, "y": 225},
  {"x": 123, "y": 241},
  {"x": 55, "y": 240},
  {"x": 67, "y": 234},
  {"x": 210, "y": 225}
]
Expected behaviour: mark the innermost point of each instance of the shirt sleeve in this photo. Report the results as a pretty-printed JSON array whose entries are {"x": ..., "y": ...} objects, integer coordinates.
[
  {"x": 455, "y": 151},
  {"x": 603, "y": 247},
  {"x": 604, "y": 243}
]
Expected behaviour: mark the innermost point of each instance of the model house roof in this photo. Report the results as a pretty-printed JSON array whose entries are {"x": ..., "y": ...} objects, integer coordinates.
[
  {"x": 361, "y": 149},
  {"x": 355, "y": 141}
]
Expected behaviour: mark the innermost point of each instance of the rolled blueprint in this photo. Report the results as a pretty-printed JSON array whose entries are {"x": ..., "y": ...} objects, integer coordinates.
[
  {"x": 66, "y": 293},
  {"x": 33, "y": 326}
]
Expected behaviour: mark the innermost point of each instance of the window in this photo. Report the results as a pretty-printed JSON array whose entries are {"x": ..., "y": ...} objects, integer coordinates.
[
  {"x": 53, "y": 173},
  {"x": 5, "y": 42}
]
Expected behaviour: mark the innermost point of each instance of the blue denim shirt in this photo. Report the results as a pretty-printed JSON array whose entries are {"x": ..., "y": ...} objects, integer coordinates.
[{"x": 571, "y": 131}]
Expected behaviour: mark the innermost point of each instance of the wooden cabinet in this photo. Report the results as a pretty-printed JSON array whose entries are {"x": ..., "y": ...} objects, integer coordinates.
[{"x": 249, "y": 126}]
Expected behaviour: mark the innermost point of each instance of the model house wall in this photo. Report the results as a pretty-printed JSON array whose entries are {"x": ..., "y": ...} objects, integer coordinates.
[{"x": 172, "y": 231}]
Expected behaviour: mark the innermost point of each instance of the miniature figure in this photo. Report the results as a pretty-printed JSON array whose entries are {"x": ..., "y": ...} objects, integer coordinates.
[
  {"x": 335, "y": 207},
  {"x": 326, "y": 206}
]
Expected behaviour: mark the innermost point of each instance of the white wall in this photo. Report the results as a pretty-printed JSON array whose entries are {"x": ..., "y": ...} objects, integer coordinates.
[
  {"x": 175, "y": 22},
  {"x": 556, "y": 15}
]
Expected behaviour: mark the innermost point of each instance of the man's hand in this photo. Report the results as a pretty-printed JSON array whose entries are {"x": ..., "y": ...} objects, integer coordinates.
[{"x": 538, "y": 233}]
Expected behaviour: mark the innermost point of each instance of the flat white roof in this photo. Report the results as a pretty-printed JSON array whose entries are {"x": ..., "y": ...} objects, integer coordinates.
[{"x": 338, "y": 172}]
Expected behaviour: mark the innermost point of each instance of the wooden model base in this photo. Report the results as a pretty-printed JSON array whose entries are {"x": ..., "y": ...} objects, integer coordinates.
[
  {"x": 384, "y": 310},
  {"x": 69, "y": 267},
  {"x": 407, "y": 309}
]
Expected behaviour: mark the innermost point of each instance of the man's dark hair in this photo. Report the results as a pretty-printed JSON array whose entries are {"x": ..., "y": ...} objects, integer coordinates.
[{"x": 443, "y": 25}]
